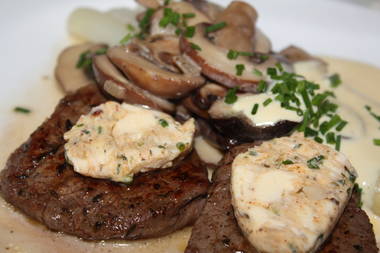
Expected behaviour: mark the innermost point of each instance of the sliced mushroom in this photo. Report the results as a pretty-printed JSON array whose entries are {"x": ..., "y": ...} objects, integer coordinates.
[
  {"x": 261, "y": 43},
  {"x": 215, "y": 64},
  {"x": 150, "y": 77},
  {"x": 241, "y": 19},
  {"x": 294, "y": 54},
  {"x": 182, "y": 8},
  {"x": 201, "y": 100},
  {"x": 112, "y": 82},
  {"x": 211, "y": 10},
  {"x": 235, "y": 121},
  {"x": 67, "y": 74}
]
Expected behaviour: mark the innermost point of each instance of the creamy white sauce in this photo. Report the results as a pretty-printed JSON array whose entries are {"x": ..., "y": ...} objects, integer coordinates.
[
  {"x": 21, "y": 235},
  {"x": 206, "y": 151}
]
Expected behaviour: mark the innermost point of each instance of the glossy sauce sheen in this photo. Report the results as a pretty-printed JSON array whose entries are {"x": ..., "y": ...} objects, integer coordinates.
[{"x": 19, "y": 234}]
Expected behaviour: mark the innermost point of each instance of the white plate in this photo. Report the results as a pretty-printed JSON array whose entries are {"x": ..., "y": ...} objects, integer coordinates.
[{"x": 34, "y": 32}]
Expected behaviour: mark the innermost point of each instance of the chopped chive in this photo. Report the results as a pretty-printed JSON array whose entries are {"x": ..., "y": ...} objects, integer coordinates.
[
  {"x": 181, "y": 146},
  {"x": 315, "y": 162},
  {"x": 252, "y": 153},
  {"x": 101, "y": 51},
  {"x": 287, "y": 162},
  {"x": 249, "y": 54},
  {"x": 239, "y": 69},
  {"x": 376, "y": 142},
  {"x": 126, "y": 38},
  {"x": 85, "y": 131},
  {"x": 369, "y": 109},
  {"x": 254, "y": 109},
  {"x": 327, "y": 125},
  {"x": 257, "y": 72},
  {"x": 335, "y": 80},
  {"x": 80, "y": 125},
  {"x": 163, "y": 123},
  {"x": 215, "y": 27},
  {"x": 84, "y": 60},
  {"x": 167, "y": 2},
  {"x": 131, "y": 28},
  {"x": 22, "y": 110},
  {"x": 195, "y": 46},
  {"x": 318, "y": 139},
  {"x": 262, "y": 86},
  {"x": 330, "y": 138},
  {"x": 232, "y": 54},
  {"x": 178, "y": 31},
  {"x": 279, "y": 67},
  {"x": 341, "y": 125},
  {"x": 231, "y": 96},
  {"x": 100, "y": 129},
  {"x": 189, "y": 32},
  {"x": 337, "y": 142},
  {"x": 271, "y": 72},
  {"x": 145, "y": 22},
  {"x": 267, "y": 101},
  {"x": 188, "y": 15}
]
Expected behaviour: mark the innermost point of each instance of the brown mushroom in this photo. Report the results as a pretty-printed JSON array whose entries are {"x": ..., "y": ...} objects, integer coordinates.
[
  {"x": 215, "y": 64},
  {"x": 151, "y": 77},
  {"x": 67, "y": 74},
  {"x": 112, "y": 82},
  {"x": 201, "y": 100},
  {"x": 241, "y": 19},
  {"x": 261, "y": 43},
  {"x": 240, "y": 125},
  {"x": 149, "y": 3}
]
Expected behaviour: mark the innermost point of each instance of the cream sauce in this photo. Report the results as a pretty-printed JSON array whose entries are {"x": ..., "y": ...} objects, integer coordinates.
[{"x": 19, "y": 234}]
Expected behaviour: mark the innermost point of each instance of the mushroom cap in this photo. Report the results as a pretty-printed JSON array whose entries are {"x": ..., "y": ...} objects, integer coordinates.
[
  {"x": 69, "y": 77},
  {"x": 216, "y": 66},
  {"x": 150, "y": 77},
  {"x": 112, "y": 82}
]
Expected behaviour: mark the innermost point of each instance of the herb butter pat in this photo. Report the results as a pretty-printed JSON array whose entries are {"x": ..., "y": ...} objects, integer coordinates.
[
  {"x": 289, "y": 195},
  {"x": 116, "y": 141}
]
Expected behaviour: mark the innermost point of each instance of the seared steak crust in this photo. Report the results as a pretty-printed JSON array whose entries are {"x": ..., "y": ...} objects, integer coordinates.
[
  {"x": 217, "y": 231},
  {"x": 39, "y": 182}
]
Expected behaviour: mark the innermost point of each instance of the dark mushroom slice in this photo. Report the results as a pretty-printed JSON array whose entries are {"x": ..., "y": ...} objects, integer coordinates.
[
  {"x": 240, "y": 18},
  {"x": 152, "y": 78},
  {"x": 201, "y": 99},
  {"x": 113, "y": 83},
  {"x": 216, "y": 66},
  {"x": 236, "y": 121},
  {"x": 68, "y": 75}
]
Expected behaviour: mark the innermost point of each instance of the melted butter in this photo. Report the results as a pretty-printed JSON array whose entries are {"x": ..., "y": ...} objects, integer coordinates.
[{"x": 265, "y": 115}]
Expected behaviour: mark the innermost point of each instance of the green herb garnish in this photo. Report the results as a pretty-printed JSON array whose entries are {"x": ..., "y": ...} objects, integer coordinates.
[
  {"x": 195, "y": 46},
  {"x": 170, "y": 17},
  {"x": 239, "y": 69},
  {"x": 20, "y": 109},
  {"x": 267, "y": 102},
  {"x": 287, "y": 162},
  {"x": 215, "y": 27},
  {"x": 145, "y": 23},
  {"x": 374, "y": 115},
  {"x": 231, "y": 96},
  {"x": 376, "y": 142},
  {"x": 189, "y": 32},
  {"x": 100, "y": 129},
  {"x": 84, "y": 60},
  {"x": 127, "y": 38},
  {"x": 188, "y": 15},
  {"x": 163, "y": 123},
  {"x": 181, "y": 146},
  {"x": 257, "y": 72},
  {"x": 262, "y": 86},
  {"x": 314, "y": 162},
  {"x": 232, "y": 54},
  {"x": 254, "y": 109},
  {"x": 335, "y": 80}
]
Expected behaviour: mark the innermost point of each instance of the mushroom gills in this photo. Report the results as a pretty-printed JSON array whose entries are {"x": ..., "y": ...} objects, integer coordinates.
[
  {"x": 150, "y": 77},
  {"x": 113, "y": 83}
]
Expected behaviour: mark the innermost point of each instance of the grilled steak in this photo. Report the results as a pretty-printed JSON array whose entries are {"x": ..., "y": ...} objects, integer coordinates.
[
  {"x": 217, "y": 230},
  {"x": 39, "y": 182}
]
